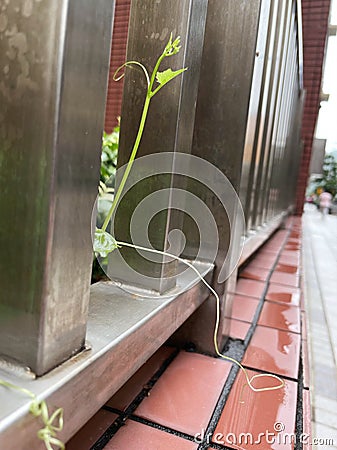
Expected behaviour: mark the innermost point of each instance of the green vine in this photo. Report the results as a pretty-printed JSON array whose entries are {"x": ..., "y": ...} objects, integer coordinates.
[
  {"x": 37, "y": 408},
  {"x": 104, "y": 243}
]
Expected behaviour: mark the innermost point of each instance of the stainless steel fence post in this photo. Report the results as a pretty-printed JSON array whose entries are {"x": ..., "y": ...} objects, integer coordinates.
[
  {"x": 54, "y": 62},
  {"x": 278, "y": 54},
  {"x": 169, "y": 126},
  {"x": 219, "y": 134}
]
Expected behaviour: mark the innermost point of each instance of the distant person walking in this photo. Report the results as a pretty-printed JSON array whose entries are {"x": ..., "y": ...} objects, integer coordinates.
[{"x": 325, "y": 200}]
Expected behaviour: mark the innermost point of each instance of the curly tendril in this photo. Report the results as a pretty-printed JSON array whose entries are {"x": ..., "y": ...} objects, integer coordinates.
[
  {"x": 130, "y": 64},
  {"x": 52, "y": 424}
]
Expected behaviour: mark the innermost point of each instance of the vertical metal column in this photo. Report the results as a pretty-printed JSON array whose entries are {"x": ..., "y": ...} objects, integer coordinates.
[
  {"x": 263, "y": 209},
  {"x": 274, "y": 170},
  {"x": 263, "y": 62},
  {"x": 54, "y": 59},
  {"x": 219, "y": 133},
  {"x": 276, "y": 56},
  {"x": 169, "y": 126}
]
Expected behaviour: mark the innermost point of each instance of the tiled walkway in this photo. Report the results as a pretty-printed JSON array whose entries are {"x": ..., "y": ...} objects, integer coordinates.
[
  {"x": 185, "y": 400},
  {"x": 320, "y": 288}
]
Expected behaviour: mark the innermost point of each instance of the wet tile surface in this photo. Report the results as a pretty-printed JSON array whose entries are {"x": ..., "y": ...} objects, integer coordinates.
[
  {"x": 289, "y": 259},
  {"x": 185, "y": 395},
  {"x": 262, "y": 263},
  {"x": 136, "y": 436},
  {"x": 244, "y": 308},
  {"x": 274, "y": 351},
  {"x": 287, "y": 268},
  {"x": 270, "y": 249},
  {"x": 122, "y": 399},
  {"x": 252, "y": 412},
  {"x": 283, "y": 294},
  {"x": 281, "y": 316},
  {"x": 289, "y": 279},
  {"x": 238, "y": 329},
  {"x": 255, "y": 273},
  {"x": 91, "y": 431},
  {"x": 251, "y": 288}
]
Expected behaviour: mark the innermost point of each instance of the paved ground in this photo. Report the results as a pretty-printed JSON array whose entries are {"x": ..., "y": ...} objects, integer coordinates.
[
  {"x": 189, "y": 401},
  {"x": 320, "y": 290}
]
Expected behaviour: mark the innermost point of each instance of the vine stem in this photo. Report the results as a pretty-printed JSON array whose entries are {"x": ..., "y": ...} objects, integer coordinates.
[
  {"x": 149, "y": 95},
  {"x": 130, "y": 163}
]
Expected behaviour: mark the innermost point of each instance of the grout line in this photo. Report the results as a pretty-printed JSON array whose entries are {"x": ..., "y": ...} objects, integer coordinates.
[
  {"x": 158, "y": 426},
  {"x": 120, "y": 421},
  {"x": 299, "y": 408},
  {"x": 235, "y": 369},
  {"x": 220, "y": 406},
  {"x": 285, "y": 377},
  {"x": 219, "y": 447}
]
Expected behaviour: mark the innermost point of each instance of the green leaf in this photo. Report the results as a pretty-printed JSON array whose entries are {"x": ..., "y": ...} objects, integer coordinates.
[
  {"x": 104, "y": 243},
  {"x": 172, "y": 48},
  {"x": 168, "y": 75}
]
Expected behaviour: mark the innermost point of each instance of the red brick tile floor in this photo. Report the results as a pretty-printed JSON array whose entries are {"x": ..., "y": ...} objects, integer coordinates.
[{"x": 185, "y": 400}]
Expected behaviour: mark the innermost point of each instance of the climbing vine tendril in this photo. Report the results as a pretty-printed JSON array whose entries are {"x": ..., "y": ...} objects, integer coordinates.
[{"x": 52, "y": 424}]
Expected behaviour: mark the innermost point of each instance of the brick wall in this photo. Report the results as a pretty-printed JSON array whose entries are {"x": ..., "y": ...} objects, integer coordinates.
[
  {"x": 118, "y": 57},
  {"x": 315, "y": 23}
]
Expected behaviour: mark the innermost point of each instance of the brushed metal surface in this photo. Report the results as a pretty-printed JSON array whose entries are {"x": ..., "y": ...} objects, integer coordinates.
[
  {"x": 219, "y": 134},
  {"x": 262, "y": 117},
  {"x": 289, "y": 81},
  {"x": 257, "y": 238},
  {"x": 260, "y": 204},
  {"x": 265, "y": 36},
  {"x": 223, "y": 99},
  {"x": 56, "y": 58},
  {"x": 279, "y": 53},
  {"x": 123, "y": 332},
  {"x": 169, "y": 126}
]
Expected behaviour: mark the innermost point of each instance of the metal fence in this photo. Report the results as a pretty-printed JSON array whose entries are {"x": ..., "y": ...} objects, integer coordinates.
[{"x": 238, "y": 106}]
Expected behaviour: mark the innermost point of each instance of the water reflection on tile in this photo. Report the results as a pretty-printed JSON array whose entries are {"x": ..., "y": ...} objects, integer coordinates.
[
  {"x": 274, "y": 351},
  {"x": 283, "y": 294},
  {"x": 282, "y": 316},
  {"x": 257, "y": 413}
]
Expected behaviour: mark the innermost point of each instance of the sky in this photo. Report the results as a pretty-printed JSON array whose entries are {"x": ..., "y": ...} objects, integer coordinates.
[{"x": 327, "y": 120}]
